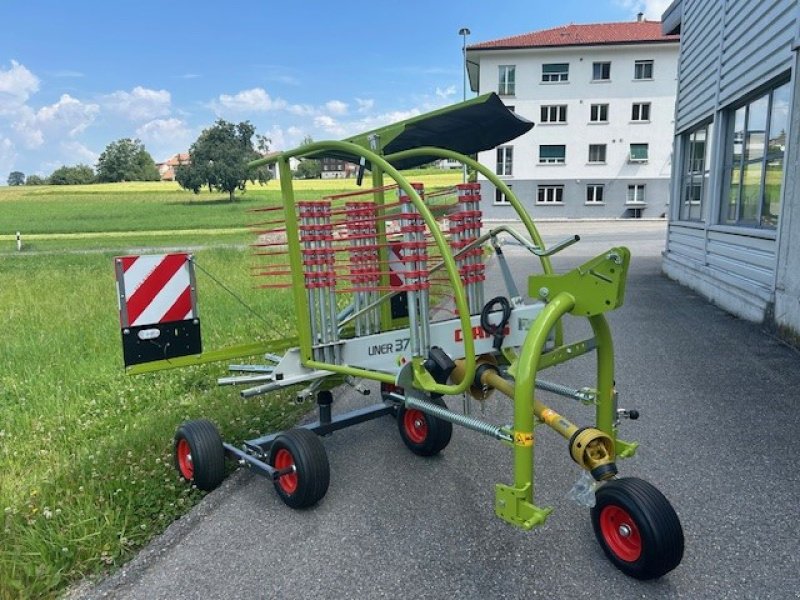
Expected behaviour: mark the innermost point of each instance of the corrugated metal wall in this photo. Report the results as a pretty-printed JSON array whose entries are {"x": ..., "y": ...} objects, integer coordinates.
[
  {"x": 698, "y": 64},
  {"x": 728, "y": 49}
]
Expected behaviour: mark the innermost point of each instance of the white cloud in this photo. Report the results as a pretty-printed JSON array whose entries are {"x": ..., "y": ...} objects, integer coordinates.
[
  {"x": 301, "y": 110},
  {"x": 8, "y": 156},
  {"x": 336, "y": 107},
  {"x": 253, "y": 100},
  {"x": 445, "y": 93},
  {"x": 652, "y": 9},
  {"x": 140, "y": 104},
  {"x": 76, "y": 153},
  {"x": 165, "y": 137},
  {"x": 67, "y": 117},
  {"x": 329, "y": 125},
  {"x": 365, "y": 104},
  {"x": 17, "y": 84},
  {"x": 161, "y": 130}
]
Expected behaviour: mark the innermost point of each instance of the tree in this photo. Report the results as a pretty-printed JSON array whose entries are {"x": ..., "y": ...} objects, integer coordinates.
[
  {"x": 35, "y": 180},
  {"x": 76, "y": 175},
  {"x": 126, "y": 160},
  {"x": 218, "y": 159},
  {"x": 16, "y": 178},
  {"x": 308, "y": 167}
]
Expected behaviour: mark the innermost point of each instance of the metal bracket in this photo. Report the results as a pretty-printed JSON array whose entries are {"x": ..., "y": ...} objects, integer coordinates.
[
  {"x": 512, "y": 505},
  {"x": 597, "y": 286}
]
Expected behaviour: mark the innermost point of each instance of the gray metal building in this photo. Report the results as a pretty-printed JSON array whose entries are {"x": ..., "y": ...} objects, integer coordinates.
[{"x": 734, "y": 222}]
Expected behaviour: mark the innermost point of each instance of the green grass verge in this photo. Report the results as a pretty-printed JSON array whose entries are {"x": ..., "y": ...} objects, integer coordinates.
[
  {"x": 155, "y": 206},
  {"x": 86, "y": 474},
  {"x": 85, "y": 456}
]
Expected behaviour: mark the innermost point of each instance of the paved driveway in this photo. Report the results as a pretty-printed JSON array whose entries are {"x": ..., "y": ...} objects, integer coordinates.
[{"x": 719, "y": 436}]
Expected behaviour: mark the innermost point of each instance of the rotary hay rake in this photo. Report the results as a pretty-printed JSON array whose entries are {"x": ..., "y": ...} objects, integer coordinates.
[{"x": 368, "y": 272}]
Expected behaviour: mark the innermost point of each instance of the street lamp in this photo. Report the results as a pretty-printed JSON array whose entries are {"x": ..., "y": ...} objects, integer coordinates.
[{"x": 464, "y": 32}]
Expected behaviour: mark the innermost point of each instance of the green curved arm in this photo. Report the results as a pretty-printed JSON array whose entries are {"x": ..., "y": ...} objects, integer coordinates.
[
  {"x": 492, "y": 177},
  {"x": 447, "y": 257}
]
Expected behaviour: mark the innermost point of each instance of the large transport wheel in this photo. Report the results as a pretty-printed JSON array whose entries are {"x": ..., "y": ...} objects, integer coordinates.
[
  {"x": 302, "y": 449},
  {"x": 637, "y": 528},
  {"x": 199, "y": 455},
  {"x": 423, "y": 434}
]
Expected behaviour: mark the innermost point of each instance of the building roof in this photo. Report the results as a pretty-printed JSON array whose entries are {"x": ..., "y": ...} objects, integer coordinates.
[{"x": 596, "y": 34}]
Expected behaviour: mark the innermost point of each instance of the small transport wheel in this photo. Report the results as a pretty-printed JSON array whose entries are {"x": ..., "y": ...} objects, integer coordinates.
[
  {"x": 637, "y": 528},
  {"x": 423, "y": 434},
  {"x": 302, "y": 449},
  {"x": 199, "y": 455}
]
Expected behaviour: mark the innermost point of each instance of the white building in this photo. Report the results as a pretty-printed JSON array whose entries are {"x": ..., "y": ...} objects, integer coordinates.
[
  {"x": 734, "y": 224},
  {"x": 603, "y": 100}
]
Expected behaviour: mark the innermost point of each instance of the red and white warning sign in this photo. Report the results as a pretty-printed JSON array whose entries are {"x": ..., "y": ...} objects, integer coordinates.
[
  {"x": 155, "y": 289},
  {"x": 157, "y": 307}
]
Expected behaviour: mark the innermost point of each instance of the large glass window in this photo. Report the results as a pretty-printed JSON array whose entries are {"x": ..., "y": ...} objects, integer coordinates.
[
  {"x": 556, "y": 113},
  {"x": 640, "y": 111},
  {"x": 639, "y": 153},
  {"x": 755, "y": 160},
  {"x": 505, "y": 160},
  {"x": 601, "y": 71},
  {"x": 597, "y": 153},
  {"x": 635, "y": 194},
  {"x": 594, "y": 193},
  {"x": 598, "y": 113},
  {"x": 500, "y": 198},
  {"x": 643, "y": 69},
  {"x": 550, "y": 194},
  {"x": 694, "y": 174},
  {"x": 552, "y": 154},
  {"x": 506, "y": 84},
  {"x": 555, "y": 72}
]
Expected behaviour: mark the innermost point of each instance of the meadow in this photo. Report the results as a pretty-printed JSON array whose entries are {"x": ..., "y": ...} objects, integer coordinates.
[{"x": 86, "y": 474}]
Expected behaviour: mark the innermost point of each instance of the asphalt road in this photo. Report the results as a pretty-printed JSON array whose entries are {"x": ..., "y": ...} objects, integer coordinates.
[{"x": 718, "y": 431}]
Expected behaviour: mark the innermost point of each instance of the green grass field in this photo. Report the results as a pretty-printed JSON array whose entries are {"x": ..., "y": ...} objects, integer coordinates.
[{"x": 86, "y": 475}]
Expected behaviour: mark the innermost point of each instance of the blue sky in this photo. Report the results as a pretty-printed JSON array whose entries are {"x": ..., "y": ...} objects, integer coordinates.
[{"x": 75, "y": 76}]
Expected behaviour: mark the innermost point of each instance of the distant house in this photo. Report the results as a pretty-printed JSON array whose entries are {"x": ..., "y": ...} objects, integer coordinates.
[
  {"x": 335, "y": 168},
  {"x": 166, "y": 169}
]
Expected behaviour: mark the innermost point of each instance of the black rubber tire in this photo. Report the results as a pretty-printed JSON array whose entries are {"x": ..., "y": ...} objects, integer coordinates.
[
  {"x": 312, "y": 475},
  {"x": 205, "y": 465},
  {"x": 424, "y": 434},
  {"x": 653, "y": 545}
]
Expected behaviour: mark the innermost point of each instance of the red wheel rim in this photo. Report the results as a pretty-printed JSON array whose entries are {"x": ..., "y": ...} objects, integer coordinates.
[
  {"x": 284, "y": 460},
  {"x": 621, "y": 533},
  {"x": 184, "y": 454},
  {"x": 415, "y": 425}
]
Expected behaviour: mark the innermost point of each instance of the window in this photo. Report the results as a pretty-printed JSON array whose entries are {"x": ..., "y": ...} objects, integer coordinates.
[
  {"x": 505, "y": 160},
  {"x": 550, "y": 194},
  {"x": 601, "y": 71},
  {"x": 597, "y": 153},
  {"x": 594, "y": 194},
  {"x": 506, "y": 83},
  {"x": 552, "y": 154},
  {"x": 635, "y": 194},
  {"x": 640, "y": 111},
  {"x": 755, "y": 160},
  {"x": 694, "y": 174},
  {"x": 639, "y": 153},
  {"x": 554, "y": 114},
  {"x": 598, "y": 113},
  {"x": 643, "y": 69},
  {"x": 500, "y": 198},
  {"x": 555, "y": 72}
]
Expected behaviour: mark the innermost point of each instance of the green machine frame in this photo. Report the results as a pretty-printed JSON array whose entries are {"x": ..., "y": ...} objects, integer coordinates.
[{"x": 587, "y": 292}]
